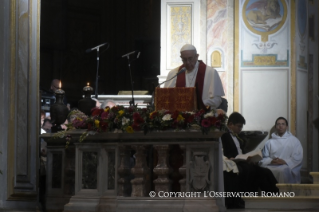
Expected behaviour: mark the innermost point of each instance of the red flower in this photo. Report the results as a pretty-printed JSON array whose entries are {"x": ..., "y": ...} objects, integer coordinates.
[
  {"x": 153, "y": 115},
  {"x": 136, "y": 127},
  {"x": 90, "y": 125},
  {"x": 136, "y": 115},
  {"x": 139, "y": 120},
  {"x": 115, "y": 109},
  {"x": 190, "y": 119},
  {"x": 96, "y": 111},
  {"x": 104, "y": 125},
  {"x": 205, "y": 123},
  {"x": 212, "y": 120},
  {"x": 175, "y": 115},
  {"x": 104, "y": 115},
  {"x": 220, "y": 117},
  {"x": 130, "y": 109}
]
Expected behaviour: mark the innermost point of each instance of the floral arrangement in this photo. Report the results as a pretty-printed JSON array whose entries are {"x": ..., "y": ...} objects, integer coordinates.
[{"x": 132, "y": 119}]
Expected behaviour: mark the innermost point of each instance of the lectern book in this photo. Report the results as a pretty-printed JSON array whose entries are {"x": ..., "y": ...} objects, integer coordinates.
[
  {"x": 253, "y": 156},
  {"x": 181, "y": 99}
]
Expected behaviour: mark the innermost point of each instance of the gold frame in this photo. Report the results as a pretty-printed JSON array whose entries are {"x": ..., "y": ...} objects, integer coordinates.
[{"x": 264, "y": 35}]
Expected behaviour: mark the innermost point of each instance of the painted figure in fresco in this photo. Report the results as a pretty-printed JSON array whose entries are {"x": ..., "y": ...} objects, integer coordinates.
[{"x": 266, "y": 9}]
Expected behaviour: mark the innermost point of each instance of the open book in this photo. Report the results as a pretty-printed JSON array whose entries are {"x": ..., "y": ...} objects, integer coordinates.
[{"x": 253, "y": 156}]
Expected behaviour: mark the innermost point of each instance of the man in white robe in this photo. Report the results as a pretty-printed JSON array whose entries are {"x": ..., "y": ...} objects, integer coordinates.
[
  {"x": 204, "y": 78},
  {"x": 283, "y": 154}
]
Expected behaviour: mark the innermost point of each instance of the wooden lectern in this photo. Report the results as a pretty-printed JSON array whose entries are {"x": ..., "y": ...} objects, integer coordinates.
[{"x": 181, "y": 99}]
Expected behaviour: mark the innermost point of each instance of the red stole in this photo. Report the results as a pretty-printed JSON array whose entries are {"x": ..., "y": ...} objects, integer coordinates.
[{"x": 199, "y": 83}]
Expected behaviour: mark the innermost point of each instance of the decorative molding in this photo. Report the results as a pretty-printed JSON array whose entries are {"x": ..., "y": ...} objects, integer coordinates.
[
  {"x": 180, "y": 28},
  {"x": 264, "y": 60},
  {"x": 180, "y": 24},
  {"x": 236, "y": 58},
  {"x": 302, "y": 62},
  {"x": 293, "y": 48}
]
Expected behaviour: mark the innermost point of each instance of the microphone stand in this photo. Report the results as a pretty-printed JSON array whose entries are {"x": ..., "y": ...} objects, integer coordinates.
[
  {"x": 97, "y": 71},
  {"x": 132, "y": 102},
  {"x": 98, "y": 63}
]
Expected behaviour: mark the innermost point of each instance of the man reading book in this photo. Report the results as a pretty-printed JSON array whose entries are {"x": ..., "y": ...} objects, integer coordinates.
[
  {"x": 251, "y": 177},
  {"x": 209, "y": 88}
]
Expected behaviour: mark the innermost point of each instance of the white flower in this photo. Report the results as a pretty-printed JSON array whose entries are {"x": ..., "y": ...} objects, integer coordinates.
[
  {"x": 125, "y": 121},
  {"x": 167, "y": 117},
  {"x": 210, "y": 114},
  {"x": 190, "y": 112}
]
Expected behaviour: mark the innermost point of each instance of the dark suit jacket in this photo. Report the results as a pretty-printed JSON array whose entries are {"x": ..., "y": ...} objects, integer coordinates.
[{"x": 229, "y": 147}]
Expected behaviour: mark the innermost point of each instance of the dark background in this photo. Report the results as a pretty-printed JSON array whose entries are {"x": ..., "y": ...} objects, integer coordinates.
[{"x": 69, "y": 27}]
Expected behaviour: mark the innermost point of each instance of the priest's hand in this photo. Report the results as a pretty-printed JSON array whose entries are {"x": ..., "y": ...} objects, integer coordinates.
[
  {"x": 278, "y": 161},
  {"x": 220, "y": 111}
]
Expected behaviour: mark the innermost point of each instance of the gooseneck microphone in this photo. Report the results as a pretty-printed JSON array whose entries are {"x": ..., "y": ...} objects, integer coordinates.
[{"x": 178, "y": 73}]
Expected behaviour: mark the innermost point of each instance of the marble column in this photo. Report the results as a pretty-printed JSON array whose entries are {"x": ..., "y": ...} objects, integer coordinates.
[
  {"x": 162, "y": 183},
  {"x": 141, "y": 182},
  {"x": 124, "y": 185},
  {"x": 182, "y": 170}
]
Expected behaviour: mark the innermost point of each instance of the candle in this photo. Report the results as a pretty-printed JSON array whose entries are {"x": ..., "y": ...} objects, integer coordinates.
[
  {"x": 88, "y": 87},
  {"x": 60, "y": 91}
]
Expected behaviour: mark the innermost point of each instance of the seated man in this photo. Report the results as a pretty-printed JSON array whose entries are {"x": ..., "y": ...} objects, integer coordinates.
[
  {"x": 209, "y": 88},
  {"x": 283, "y": 154},
  {"x": 251, "y": 177}
]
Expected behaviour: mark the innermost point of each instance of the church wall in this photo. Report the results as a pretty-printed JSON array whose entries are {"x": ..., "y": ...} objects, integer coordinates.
[
  {"x": 313, "y": 81},
  {"x": 301, "y": 63},
  {"x": 220, "y": 39},
  {"x": 19, "y": 108},
  {"x": 262, "y": 66}
]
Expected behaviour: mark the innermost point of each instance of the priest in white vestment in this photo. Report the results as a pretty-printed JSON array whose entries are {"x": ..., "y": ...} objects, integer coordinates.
[
  {"x": 194, "y": 73},
  {"x": 283, "y": 154}
]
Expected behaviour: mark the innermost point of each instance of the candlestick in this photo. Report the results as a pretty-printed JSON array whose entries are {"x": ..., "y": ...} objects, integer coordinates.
[
  {"x": 86, "y": 104},
  {"x": 58, "y": 111}
]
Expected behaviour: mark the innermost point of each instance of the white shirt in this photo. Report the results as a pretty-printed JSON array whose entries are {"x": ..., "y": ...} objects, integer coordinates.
[{"x": 237, "y": 144}]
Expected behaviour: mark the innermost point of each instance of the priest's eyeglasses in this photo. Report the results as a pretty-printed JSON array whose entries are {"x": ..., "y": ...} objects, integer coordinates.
[{"x": 185, "y": 60}]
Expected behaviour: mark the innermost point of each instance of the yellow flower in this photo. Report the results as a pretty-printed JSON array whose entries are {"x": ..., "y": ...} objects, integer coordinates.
[
  {"x": 106, "y": 109},
  {"x": 97, "y": 123},
  {"x": 121, "y": 112},
  {"x": 129, "y": 129},
  {"x": 79, "y": 119},
  {"x": 180, "y": 118},
  {"x": 152, "y": 113}
]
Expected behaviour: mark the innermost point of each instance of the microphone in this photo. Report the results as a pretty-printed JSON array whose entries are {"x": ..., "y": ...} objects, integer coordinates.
[
  {"x": 178, "y": 73},
  {"x": 91, "y": 49},
  {"x": 128, "y": 54}
]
